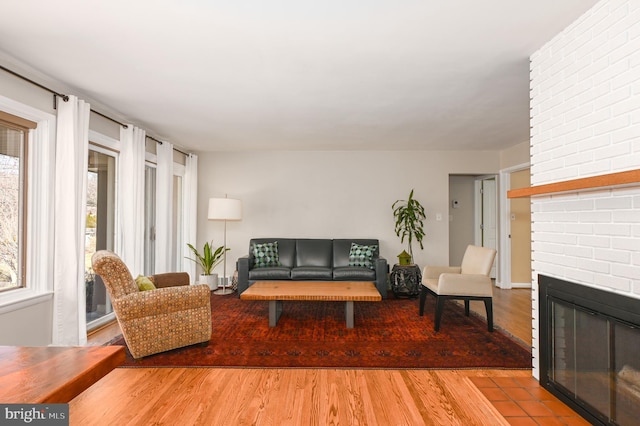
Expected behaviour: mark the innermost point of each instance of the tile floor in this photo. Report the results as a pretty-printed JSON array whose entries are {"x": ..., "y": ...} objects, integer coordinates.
[{"x": 523, "y": 402}]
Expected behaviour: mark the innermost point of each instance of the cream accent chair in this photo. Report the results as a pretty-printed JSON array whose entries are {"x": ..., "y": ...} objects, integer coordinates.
[
  {"x": 155, "y": 320},
  {"x": 470, "y": 281}
]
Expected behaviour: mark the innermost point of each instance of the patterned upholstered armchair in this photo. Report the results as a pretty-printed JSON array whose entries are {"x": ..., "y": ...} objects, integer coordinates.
[{"x": 156, "y": 320}]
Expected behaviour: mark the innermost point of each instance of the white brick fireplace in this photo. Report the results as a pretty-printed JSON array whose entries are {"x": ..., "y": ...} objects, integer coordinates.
[{"x": 585, "y": 121}]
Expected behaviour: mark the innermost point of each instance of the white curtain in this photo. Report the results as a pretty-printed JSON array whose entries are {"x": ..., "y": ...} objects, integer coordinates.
[
  {"x": 190, "y": 213},
  {"x": 70, "y": 195},
  {"x": 131, "y": 196},
  {"x": 164, "y": 207}
]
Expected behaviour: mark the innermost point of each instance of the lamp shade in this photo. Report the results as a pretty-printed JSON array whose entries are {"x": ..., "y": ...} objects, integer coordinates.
[{"x": 224, "y": 209}]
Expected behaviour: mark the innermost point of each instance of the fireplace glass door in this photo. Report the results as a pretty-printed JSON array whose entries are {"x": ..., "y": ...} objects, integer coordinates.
[
  {"x": 581, "y": 355},
  {"x": 596, "y": 362},
  {"x": 627, "y": 374}
]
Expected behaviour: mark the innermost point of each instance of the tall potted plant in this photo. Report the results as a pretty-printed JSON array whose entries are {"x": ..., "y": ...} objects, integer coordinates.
[
  {"x": 410, "y": 216},
  {"x": 208, "y": 259}
]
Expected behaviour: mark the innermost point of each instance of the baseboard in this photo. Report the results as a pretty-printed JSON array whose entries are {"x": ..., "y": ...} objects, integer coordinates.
[
  {"x": 509, "y": 286},
  {"x": 520, "y": 285}
]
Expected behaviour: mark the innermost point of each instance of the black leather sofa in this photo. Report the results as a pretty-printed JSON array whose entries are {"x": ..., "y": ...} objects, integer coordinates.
[{"x": 309, "y": 259}]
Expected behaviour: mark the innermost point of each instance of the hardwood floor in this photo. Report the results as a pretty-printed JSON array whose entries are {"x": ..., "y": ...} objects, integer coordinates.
[
  {"x": 210, "y": 396},
  {"x": 232, "y": 396},
  {"x": 511, "y": 312},
  {"x": 104, "y": 334}
]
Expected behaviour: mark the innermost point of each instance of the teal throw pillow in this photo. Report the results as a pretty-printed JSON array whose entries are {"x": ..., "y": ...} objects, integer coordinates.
[
  {"x": 362, "y": 256},
  {"x": 266, "y": 255}
]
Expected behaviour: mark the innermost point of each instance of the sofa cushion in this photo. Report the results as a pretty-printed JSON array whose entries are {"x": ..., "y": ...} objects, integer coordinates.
[
  {"x": 314, "y": 253},
  {"x": 361, "y": 255},
  {"x": 270, "y": 273},
  {"x": 266, "y": 255},
  {"x": 352, "y": 273},
  {"x": 342, "y": 248},
  {"x": 311, "y": 273},
  {"x": 286, "y": 250}
]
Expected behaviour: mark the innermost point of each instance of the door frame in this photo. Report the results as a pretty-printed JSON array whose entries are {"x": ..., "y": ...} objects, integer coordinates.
[{"x": 505, "y": 225}]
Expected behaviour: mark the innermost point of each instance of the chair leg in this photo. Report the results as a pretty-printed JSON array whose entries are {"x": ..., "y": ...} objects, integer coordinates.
[
  {"x": 439, "y": 306},
  {"x": 466, "y": 307},
  {"x": 423, "y": 298},
  {"x": 488, "y": 304}
]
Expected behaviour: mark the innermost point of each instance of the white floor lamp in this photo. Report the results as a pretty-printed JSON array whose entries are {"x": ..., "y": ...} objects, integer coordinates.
[{"x": 224, "y": 209}]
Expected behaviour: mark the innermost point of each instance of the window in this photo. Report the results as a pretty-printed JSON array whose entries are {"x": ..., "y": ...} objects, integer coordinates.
[
  {"x": 100, "y": 229},
  {"x": 149, "y": 219},
  {"x": 13, "y": 146},
  {"x": 177, "y": 228},
  {"x": 34, "y": 282}
]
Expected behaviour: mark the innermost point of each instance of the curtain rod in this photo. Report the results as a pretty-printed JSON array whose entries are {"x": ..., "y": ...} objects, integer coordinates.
[
  {"x": 160, "y": 142},
  {"x": 61, "y": 95},
  {"x": 66, "y": 99},
  {"x": 109, "y": 118}
]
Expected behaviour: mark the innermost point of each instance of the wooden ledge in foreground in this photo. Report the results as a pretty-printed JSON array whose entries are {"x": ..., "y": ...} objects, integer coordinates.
[{"x": 38, "y": 375}]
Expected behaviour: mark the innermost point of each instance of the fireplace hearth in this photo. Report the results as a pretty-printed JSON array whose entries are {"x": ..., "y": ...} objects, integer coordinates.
[{"x": 590, "y": 350}]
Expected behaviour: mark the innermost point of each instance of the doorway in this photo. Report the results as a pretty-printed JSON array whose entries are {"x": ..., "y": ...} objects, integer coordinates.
[
  {"x": 473, "y": 214},
  {"x": 99, "y": 231}
]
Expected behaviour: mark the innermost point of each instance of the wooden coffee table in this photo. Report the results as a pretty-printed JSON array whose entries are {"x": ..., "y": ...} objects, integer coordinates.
[{"x": 323, "y": 291}]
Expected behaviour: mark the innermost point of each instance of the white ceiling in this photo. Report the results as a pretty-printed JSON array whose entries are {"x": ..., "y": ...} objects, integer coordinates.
[{"x": 296, "y": 74}]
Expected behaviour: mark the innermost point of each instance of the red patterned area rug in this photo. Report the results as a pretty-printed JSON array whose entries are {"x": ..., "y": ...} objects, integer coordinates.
[{"x": 387, "y": 334}]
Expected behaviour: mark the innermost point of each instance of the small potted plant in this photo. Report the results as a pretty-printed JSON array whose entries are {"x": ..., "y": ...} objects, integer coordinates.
[
  {"x": 208, "y": 259},
  {"x": 410, "y": 218}
]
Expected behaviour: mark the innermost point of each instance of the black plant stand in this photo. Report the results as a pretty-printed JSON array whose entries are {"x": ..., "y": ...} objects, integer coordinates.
[{"x": 406, "y": 281}]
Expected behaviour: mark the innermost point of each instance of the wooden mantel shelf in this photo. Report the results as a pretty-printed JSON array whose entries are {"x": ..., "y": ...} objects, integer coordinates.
[{"x": 589, "y": 183}]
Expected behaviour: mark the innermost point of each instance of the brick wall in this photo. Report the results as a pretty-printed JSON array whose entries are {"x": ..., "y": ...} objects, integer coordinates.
[{"x": 585, "y": 121}]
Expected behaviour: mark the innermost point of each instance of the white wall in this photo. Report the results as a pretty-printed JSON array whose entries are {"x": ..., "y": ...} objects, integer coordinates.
[
  {"x": 585, "y": 104},
  {"x": 27, "y": 326},
  {"x": 515, "y": 155},
  {"x": 332, "y": 195}
]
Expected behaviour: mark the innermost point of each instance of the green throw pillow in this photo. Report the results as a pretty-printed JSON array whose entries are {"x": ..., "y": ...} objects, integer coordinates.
[
  {"x": 266, "y": 255},
  {"x": 144, "y": 283},
  {"x": 362, "y": 256}
]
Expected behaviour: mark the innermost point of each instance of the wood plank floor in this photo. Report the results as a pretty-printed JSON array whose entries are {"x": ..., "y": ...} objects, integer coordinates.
[
  {"x": 231, "y": 396},
  {"x": 217, "y": 396},
  {"x": 511, "y": 312}
]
